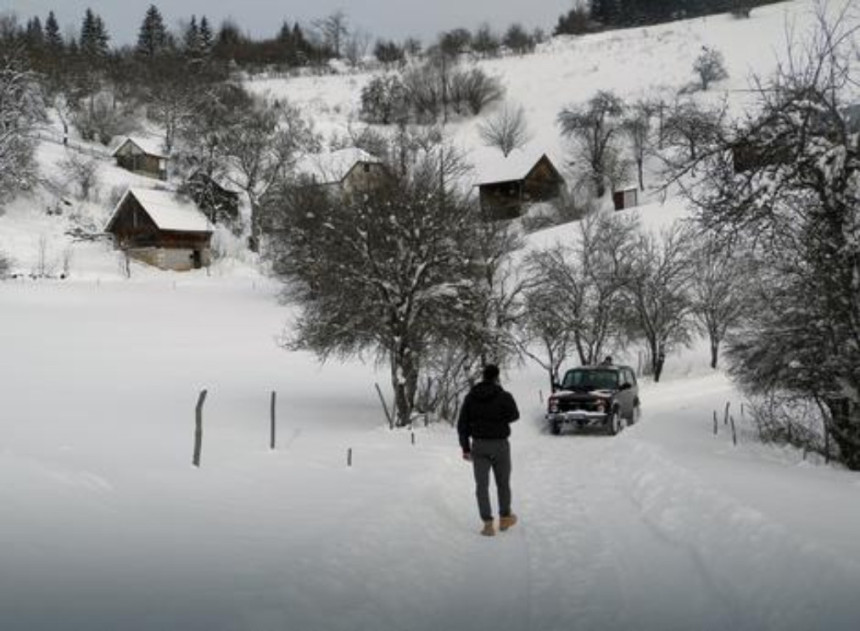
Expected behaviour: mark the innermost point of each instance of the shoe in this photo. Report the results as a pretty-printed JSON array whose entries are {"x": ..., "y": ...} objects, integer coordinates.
[
  {"x": 507, "y": 522},
  {"x": 488, "y": 530}
]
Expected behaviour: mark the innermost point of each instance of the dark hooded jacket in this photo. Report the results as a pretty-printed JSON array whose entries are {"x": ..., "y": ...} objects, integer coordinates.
[{"x": 487, "y": 412}]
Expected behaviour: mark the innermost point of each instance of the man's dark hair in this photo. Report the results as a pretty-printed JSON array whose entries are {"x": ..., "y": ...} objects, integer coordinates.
[{"x": 490, "y": 373}]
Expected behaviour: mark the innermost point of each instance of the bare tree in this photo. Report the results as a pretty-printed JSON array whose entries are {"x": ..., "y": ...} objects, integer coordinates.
[
  {"x": 637, "y": 127},
  {"x": 587, "y": 282},
  {"x": 719, "y": 289},
  {"x": 334, "y": 30},
  {"x": 506, "y": 129},
  {"x": 544, "y": 323},
  {"x": 393, "y": 272},
  {"x": 594, "y": 128},
  {"x": 690, "y": 127},
  {"x": 659, "y": 290},
  {"x": 82, "y": 172},
  {"x": 356, "y": 47},
  {"x": 710, "y": 67},
  {"x": 261, "y": 150}
]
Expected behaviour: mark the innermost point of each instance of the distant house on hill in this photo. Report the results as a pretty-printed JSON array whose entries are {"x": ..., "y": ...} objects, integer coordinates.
[
  {"x": 345, "y": 171},
  {"x": 623, "y": 198},
  {"x": 157, "y": 228},
  {"x": 507, "y": 184},
  {"x": 218, "y": 201},
  {"x": 142, "y": 155}
]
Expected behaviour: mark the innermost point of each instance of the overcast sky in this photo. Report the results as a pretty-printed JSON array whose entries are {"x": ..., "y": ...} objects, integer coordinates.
[{"x": 395, "y": 19}]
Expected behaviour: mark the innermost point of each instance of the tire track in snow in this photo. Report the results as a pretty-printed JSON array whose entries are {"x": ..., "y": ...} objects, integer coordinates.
[{"x": 623, "y": 573}]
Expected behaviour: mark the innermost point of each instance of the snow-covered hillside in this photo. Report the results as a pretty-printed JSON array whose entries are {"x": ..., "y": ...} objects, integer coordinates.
[{"x": 105, "y": 524}]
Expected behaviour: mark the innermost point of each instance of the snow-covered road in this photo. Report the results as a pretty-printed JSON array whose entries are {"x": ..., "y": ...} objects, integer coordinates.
[{"x": 104, "y": 524}]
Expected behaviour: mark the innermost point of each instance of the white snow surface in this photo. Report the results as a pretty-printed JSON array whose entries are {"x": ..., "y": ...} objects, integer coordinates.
[{"x": 105, "y": 524}]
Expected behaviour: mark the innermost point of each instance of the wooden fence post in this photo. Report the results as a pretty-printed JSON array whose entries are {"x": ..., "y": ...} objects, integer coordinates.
[
  {"x": 272, "y": 411},
  {"x": 726, "y": 417},
  {"x": 349, "y": 457},
  {"x": 734, "y": 432},
  {"x": 198, "y": 428},
  {"x": 384, "y": 406},
  {"x": 716, "y": 423}
]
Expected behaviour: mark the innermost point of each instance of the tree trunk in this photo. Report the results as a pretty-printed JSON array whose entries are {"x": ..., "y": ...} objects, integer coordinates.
[
  {"x": 404, "y": 381},
  {"x": 639, "y": 166},
  {"x": 715, "y": 352},
  {"x": 845, "y": 429}
]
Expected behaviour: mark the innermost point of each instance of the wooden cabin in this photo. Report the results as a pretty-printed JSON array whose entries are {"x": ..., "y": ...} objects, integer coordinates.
[
  {"x": 507, "y": 185},
  {"x": 625, "y": 198},
  {"x": 143, "y": 156},
  {"x": 346, "y": 171},
  {"x": 215, "y": 198},
  {"x": 157, "y": 228}
]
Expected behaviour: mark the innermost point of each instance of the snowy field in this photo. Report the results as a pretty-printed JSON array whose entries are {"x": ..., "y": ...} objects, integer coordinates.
[{"x": 106, "y": 525}]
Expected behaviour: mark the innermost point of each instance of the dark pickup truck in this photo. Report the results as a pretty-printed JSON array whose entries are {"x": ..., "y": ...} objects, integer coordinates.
[{"x": 605, "y": 397}]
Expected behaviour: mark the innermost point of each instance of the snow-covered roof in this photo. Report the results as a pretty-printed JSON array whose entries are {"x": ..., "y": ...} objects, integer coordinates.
[
  {"x": 149, "y": 145},
  {"x": 168, "y": 212},
  {"x": 332, "y": 167},
  {"x": 492, "y": 166}
]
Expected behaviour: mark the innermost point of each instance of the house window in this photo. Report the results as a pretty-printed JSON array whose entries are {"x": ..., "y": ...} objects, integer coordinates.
[{"x": 366, "y": 167}]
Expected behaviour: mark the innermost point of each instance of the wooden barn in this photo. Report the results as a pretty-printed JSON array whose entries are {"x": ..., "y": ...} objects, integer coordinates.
[
  {"x": 157, "y": 228},
  {"x": 215, "y": 198},
  {"x": 507, "y": 184},
  {"x": 346, "y": 171},
  {"x": 143, "y": 156}
]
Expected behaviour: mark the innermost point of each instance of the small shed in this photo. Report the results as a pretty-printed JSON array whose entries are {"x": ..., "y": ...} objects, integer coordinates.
[
  {"x": 345, "y": 170},
  {"x": 625, "y": 198},
  {"x": 142, "y": 155},
  {"x": 157, "y": 228},
  {"x": 507, "y": 183},
  {"x": 218, "y": 201}
]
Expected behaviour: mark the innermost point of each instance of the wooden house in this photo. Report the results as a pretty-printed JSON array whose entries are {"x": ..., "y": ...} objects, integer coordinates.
[
  {"x": 507, "y": 184},
  {"x": 157, "y": 228},
  {"x": 143, "y": 156},
  {"x": 214, "y": 197},
  {"x": 346, "y": 171},
  {"x": 625, "y": 198}
]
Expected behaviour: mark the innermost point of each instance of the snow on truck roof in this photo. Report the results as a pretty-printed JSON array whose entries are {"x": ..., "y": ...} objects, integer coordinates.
[{"x": 168, "y": 212}]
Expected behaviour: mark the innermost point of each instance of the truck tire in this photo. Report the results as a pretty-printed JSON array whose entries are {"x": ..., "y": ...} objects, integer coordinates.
[{"x": 613, "y": 425}]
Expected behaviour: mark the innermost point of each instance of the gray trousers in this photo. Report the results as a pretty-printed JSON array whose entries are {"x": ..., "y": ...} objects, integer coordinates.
[{"x": 490, "y": 454}]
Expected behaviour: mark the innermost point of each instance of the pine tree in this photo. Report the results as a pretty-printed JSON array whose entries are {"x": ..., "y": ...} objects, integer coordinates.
[
  {"x": 53, "y": 39},
  {"x": 152, "y": 38},
  {"x": 35, "y": 35},
  {"x": 205, "y": 37},
  {"x": 191, "y": 39},
  {"x": 94, "y": 39}
]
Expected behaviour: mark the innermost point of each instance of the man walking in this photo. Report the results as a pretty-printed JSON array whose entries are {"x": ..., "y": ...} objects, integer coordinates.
[{"x": 484, "y": 428}]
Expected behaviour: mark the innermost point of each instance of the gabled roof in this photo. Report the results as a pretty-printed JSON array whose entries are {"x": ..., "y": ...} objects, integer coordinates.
[
  {"x": 218, "y": 179},
  {"x": 150, "y": 146},
  {"x": 168, "y": 212},
  {"x": 491, "y": 166},
  {"x": 332, "y": 167}
]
